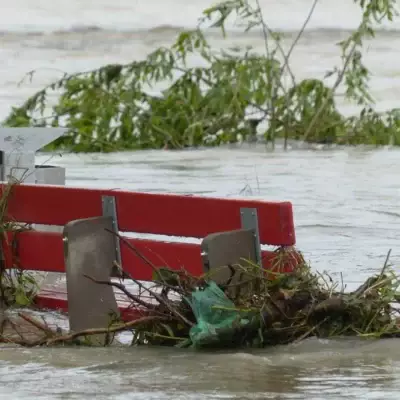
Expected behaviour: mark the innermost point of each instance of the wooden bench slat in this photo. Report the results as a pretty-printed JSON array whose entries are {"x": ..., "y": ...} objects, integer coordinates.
[
  {"x": 59, "y": 302},
  {"x": 43, "y": 251},
  {"x": 162, "y": 214}
]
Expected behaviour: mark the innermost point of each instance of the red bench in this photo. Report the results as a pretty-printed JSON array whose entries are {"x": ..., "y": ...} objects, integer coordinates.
[{"x": 159, "y": 214}]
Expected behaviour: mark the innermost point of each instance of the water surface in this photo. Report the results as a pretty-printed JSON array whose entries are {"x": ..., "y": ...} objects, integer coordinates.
[{"x": 346, "y": 202}]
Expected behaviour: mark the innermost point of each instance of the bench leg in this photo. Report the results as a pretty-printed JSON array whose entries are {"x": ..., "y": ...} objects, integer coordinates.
[
  {"x": 223, "y": 253},
  {"x": 90, "y": 250}
]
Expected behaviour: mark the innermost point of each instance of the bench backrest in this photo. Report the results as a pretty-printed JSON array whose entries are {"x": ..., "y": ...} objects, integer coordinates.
[{"x": 159, "y": 214}]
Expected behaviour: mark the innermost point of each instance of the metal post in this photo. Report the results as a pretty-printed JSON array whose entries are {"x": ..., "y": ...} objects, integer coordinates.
[
  {"x": 110, "y": 210},
  {"x": 249, "y": 220}
]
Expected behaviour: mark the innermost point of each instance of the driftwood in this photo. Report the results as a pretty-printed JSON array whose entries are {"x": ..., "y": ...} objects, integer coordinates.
[{"x": 51, "y": 337}]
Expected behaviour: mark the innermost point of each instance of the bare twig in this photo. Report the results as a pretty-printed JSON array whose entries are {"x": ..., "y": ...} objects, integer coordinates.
[
  {"x": 268, "y": 31},
  {"x": 334, "y": 88},
  {"x": 310, "y": 331},
  {"x": 302, "y": 29},
  {"x": 123, "y": 289},
  {"x": 89, "y": 332},
  {"x": 134, "y": 249},
  {"x": 44, "y": 328},
  {"x": 386, "y": 264},
  {"x": 160, "y": 299}
]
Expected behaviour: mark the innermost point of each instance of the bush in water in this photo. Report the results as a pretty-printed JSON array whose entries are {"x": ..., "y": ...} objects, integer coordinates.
[{"x": 110, "y": 108}]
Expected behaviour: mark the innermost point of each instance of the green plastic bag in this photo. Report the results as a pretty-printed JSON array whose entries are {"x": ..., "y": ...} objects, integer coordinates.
[{"x": 217, "y": 319}]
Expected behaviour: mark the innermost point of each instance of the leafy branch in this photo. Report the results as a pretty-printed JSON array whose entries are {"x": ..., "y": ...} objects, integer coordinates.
[{"x": 209, "y": 103}]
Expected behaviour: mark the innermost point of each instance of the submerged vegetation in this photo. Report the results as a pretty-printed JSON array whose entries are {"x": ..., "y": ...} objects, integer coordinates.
[{"x": 216, "y": 97}]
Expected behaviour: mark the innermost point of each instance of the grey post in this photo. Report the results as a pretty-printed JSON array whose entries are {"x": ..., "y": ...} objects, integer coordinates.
[
  {"x": 109, "y": 208},
  {"x": 89, "y": 254},
  {"x": 249, "y": 220},
  {"x": 90, "y": 249},
  {"x": 223, "y": 252}
]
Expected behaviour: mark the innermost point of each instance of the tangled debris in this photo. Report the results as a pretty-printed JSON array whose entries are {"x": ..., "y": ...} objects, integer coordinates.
[
  {"x": 266, "y": 308},
  {"x": 270, "y": 308}
]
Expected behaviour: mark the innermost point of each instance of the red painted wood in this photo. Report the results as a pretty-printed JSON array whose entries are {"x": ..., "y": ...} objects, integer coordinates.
[
  {"x": 43, "y": 251},
  {"x": 59, "y": 302},
  {"x": 164, "y": 214}
]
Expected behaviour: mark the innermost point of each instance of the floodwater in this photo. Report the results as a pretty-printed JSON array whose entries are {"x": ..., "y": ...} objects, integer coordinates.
[{"x": 346, "y": 204}]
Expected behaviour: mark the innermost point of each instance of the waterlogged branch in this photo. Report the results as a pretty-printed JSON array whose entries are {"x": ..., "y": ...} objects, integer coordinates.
[
  {"x": 53, "y": 338},
  {"x": 113, "y": 329}
]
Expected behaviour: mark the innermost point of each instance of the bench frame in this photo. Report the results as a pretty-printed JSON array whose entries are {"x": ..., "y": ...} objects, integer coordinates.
[{"x": 239, "y": 227}]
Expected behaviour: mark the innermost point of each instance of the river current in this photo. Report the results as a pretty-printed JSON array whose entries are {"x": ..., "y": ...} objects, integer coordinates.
[{"x": 346, "y": 202}]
